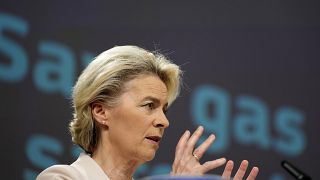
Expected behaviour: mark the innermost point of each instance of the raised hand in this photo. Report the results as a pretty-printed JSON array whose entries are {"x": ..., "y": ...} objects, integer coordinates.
[{"x": 187, "y": 158}]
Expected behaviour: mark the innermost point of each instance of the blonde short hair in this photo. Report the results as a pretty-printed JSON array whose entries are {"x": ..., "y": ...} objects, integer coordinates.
[{"x": 103, "y": 81}]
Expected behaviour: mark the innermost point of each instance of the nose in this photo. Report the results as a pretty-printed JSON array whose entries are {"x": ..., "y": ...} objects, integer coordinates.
[{"x": 161, "y": 121}]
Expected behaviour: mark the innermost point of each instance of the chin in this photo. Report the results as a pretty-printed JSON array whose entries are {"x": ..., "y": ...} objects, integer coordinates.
[{"x": 148, "y": 156}]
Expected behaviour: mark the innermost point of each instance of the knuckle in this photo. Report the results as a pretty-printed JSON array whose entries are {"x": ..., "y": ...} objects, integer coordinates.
[
  {"x": 197, "y": 133},
  {"x": 175, "y": 164},
  {"x": 197, "y": 152},
  {"x": 179, "y": 146},
  {"x": 189, "y": 145},
  {"x": 183, "y": 162}
]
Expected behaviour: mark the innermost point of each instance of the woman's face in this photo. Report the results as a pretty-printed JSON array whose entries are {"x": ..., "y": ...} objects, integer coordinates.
[{"x": 137, "y": 123}]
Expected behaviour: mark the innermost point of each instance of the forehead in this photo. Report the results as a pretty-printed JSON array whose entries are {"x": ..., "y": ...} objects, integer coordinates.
[{"x": 147, "y": 85}]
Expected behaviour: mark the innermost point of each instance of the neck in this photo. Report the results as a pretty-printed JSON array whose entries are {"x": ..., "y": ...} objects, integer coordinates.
[{"x": 114, "y": 163}]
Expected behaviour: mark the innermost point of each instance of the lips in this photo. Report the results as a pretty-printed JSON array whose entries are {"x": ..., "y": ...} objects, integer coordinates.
[{"x": 155, "y": 139}]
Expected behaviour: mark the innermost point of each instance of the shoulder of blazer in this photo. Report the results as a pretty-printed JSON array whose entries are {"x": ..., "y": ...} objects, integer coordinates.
[{"x": 59, "y": 172}]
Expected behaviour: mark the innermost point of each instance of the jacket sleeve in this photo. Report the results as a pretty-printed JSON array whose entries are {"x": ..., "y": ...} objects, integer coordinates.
[{"x": 60, "y": 172}]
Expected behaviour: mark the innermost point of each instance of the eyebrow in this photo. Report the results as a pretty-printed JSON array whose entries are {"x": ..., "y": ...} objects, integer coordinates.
[{"x": 155, "y": 100}]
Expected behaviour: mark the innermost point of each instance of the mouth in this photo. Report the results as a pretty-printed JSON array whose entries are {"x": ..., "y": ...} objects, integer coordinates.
[{"x": 154, "y": 139}]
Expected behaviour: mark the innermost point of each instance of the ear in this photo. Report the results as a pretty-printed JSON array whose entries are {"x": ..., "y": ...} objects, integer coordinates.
[{"x": 100, "y": 113}]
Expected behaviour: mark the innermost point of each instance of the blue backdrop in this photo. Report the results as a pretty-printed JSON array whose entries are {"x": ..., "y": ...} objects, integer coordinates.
[{"x": 251, "y": 77}]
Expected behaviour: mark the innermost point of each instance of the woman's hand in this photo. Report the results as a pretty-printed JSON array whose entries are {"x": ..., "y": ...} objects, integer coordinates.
[
  {"x": 187, "y": 158},
  {"x": 241, "y": 171}
]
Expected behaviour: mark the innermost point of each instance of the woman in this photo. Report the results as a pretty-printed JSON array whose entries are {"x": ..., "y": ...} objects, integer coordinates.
[{"x": 120, "y": 101}]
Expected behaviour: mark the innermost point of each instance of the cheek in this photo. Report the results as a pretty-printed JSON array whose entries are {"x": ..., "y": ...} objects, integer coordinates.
[
  {"x": 130, "y": 122},
  {"x": 130, "y": 125},
  {"x": 135, "y": 118}
]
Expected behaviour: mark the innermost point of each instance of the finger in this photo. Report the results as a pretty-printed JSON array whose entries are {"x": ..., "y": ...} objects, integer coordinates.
[
  {"x": 182, "y": 142},
  {"x": 179, "y": 149},
  {"x": 242, "y": 170},
  {"x": 207, "y": 166},
  {"x": 193, "y": 140},
  {"x": 199, "y": 152},
  {"x": 253, "y": 174},
  {"x": 228, "y": 170}
]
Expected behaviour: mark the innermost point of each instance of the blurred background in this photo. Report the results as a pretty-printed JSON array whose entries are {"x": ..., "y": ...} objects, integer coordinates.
[{"x": 251, "y": 77}]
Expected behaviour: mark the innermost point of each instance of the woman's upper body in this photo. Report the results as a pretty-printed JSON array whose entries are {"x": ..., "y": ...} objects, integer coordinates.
[{"x": 119, "y": 102}]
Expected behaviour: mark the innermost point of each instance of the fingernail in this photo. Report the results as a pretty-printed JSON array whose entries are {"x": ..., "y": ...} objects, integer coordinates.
[
  {"x": 223, "y": 160},
  {"x": 245, "y": 162},
  {"x": 200, "y": 127},
  {"x": 230, "y": 162}
]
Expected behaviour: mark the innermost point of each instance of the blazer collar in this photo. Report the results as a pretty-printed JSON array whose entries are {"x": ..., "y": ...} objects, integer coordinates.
[{"x": 89, "y": 168}]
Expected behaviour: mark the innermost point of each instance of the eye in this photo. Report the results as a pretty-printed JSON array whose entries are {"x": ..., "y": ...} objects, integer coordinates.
[{"x": 149, "y": 105}]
